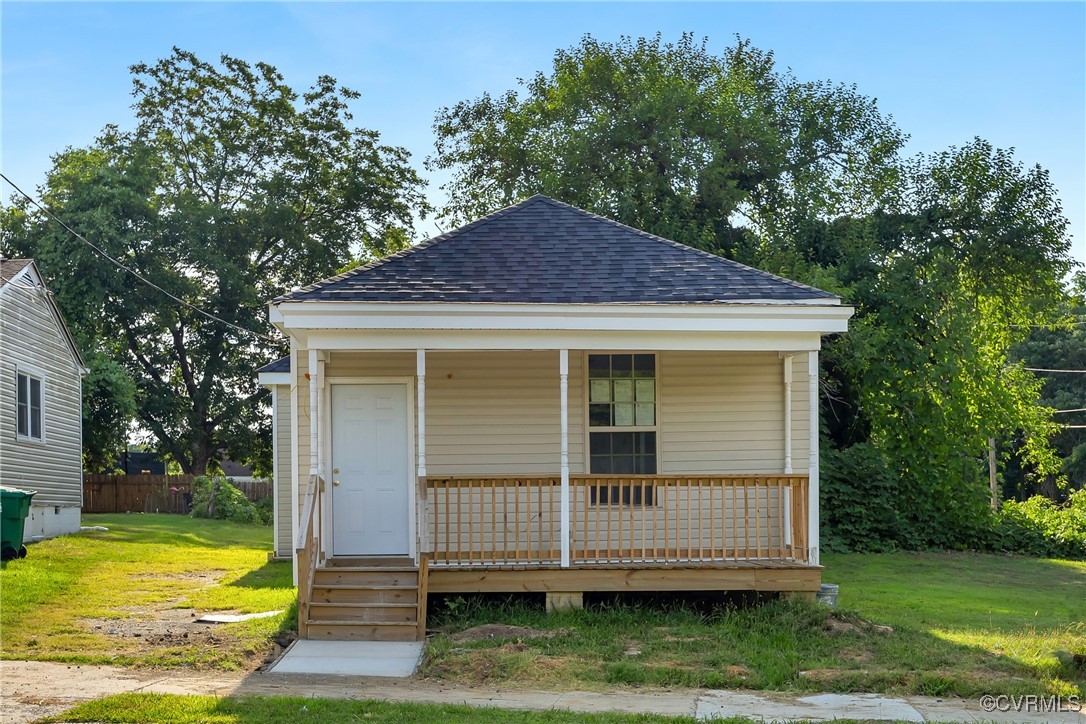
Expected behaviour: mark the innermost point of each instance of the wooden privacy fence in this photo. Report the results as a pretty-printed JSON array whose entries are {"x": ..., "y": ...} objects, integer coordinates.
[
  {"x": 151, "y": 493},
  {"x": 618, "y": 519}
]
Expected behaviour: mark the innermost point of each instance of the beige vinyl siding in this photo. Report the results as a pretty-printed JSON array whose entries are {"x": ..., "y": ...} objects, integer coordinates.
[
  {"x": 283, "y": 543},
  {"x": 31, "y": 339},
  {"x": 498, "y": 413},
  {"x": 724, "y": 413}
]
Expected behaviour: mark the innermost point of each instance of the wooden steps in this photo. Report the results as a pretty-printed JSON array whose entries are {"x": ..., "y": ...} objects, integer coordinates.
[{"x": 367, "y": 599}]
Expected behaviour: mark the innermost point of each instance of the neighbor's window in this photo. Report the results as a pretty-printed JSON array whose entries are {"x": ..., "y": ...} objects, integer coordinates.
[
  {"x": 28, "y": 406},
  {"x": 622, "y": 424}
]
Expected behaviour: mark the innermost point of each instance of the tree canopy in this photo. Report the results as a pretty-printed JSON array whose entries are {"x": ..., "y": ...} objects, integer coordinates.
[
  {"x": 230, "y": 189},
  {"x": 669, "y": 138},
  {"x": 950, "y": 258}
]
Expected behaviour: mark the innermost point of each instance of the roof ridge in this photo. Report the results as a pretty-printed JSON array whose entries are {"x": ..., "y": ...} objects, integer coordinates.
[
  {"x": 679, "y": 244},
  {"x": 425, "y": 244}
]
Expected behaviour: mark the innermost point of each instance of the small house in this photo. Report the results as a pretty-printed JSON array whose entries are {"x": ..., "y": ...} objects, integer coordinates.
[
  {"x": 41, "y": 390},
  {"x": 544, "y": 400}
]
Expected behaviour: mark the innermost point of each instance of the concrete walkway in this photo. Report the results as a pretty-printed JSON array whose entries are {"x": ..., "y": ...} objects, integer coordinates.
[{"x": 29, "y": 690}]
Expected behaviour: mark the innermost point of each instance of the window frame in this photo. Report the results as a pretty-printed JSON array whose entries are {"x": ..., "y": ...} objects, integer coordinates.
[
  {"x": 589, "y": 429},
  {"x": 36, "y": 375}
]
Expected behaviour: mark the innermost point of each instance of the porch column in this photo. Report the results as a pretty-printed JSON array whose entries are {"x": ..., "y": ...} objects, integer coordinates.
[
  {"x": 322, "y": 453},
  {"x": 422, "y": 532},
  {"x": 563, "y": 372},
  {"x": 812, "y": 470},
  {"x": 787, "y": 414}
]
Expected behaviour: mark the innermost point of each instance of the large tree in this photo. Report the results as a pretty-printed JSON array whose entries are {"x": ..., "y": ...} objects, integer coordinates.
[
  {"x": 230, "y": 189},
  {"x": 670, "y": 138}
]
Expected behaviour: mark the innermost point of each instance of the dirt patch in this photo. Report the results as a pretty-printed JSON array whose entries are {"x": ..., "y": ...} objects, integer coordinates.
[
  {"x": 735, "y": 671},
  {"x": 837, "y": 627},
  {"x": 683, "y": 639},
  {"x": 492, "y": 631},
  {"x": 157, "y": 628},
  {"x": 207, "y": 578}
]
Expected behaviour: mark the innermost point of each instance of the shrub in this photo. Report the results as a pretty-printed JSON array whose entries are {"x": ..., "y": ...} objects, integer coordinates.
[
  {"x": 1041, "y": 527},
  {"x": 218, "y": 498},
  {"x": 858, "y": 501}
]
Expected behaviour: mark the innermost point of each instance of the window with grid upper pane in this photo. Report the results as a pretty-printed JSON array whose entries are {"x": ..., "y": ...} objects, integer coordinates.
[{"x": 622, "y": 419}]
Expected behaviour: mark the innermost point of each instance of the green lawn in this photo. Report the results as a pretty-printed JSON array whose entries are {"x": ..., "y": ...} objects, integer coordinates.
[
  {"x": 129, "y": 596},
  {"x": 963, "y": 624},
  {"x": 169, "y": 709}
]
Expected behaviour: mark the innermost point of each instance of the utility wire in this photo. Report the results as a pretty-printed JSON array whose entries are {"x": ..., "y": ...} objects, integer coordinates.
[
  {"x": 1042, "y": 369},
  {"x": 131, "y": 271}
]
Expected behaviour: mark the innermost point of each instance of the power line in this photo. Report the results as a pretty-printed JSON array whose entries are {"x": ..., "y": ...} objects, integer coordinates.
[
  {"x": 131, "y": 271},
  {"x": 1042, "y": 369},
  {"x": 1077, "y": 409}
]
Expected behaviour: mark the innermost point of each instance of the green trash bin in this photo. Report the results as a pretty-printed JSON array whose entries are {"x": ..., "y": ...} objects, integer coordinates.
[{"x": 14, "y": 507}]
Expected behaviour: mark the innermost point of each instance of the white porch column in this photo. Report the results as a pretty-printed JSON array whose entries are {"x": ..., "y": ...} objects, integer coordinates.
[
  {"x": 420, "y": 374},
  {"x": 314, "y": 445},
  {"x": 787, "y": 414},
  {"x": 422, "y": 518},
  {"x": 812, "y": 490},
  {"x": 322, "y": 456},
  {"x": 563, "y": 372}
]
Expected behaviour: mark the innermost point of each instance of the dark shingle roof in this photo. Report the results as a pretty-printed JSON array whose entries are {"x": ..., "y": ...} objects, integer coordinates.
[
  {"x": 279, "y": 365},
  {"x": 10, "y": 267},
  {"x": 543, "y": 251}
]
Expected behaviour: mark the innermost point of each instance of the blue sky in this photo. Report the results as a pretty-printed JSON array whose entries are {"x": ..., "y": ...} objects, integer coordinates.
[{"x": 1012, "y": 73}]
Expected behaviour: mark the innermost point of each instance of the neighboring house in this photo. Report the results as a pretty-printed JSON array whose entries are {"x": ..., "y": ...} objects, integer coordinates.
[
  {"x": 545, "y": 400},
  {"x": 140, "y": 463},
  {"x": 238, "y": 472},
  {"x": 41, "y": 419}
]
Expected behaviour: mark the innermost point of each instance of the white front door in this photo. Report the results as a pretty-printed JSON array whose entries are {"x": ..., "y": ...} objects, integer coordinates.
[{"x": 370, "y": 485}]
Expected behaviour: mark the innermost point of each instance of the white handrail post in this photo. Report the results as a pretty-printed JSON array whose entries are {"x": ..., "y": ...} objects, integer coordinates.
[
  {"x": 563, "y": 371},
  {"x": 812, "y": 472},
  {"x": 787, "y": 413}
]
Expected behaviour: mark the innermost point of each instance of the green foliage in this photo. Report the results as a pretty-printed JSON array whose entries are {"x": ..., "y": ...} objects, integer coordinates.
[
  {"x": 1063, "y": 347},
  {"x": 218, "y": 498},
  {"x": 672, "y": 139},
  {"x": 949, "y": 258},
  {"x": 857, "y": 491},
  {"x": 1041, "y": 527},
  {"x": 230, "y": 189},
  {"x": 109, "y": 404}
]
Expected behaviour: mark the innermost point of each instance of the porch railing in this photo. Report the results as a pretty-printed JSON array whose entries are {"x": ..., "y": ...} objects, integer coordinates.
[{"x": 618, "y": 519}]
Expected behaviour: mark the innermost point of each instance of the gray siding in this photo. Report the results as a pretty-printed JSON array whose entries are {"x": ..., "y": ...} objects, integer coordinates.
[{"x": 31, "y": 338}]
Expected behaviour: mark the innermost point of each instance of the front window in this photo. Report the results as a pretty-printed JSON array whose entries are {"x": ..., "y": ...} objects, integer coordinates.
[
  {"x": 28, "y": 407},
  {"x": 622, "y": 423}
]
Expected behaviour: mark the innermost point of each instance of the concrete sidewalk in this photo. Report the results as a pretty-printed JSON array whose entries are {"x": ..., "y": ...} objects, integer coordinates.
[{"x": 29, "y": 690}]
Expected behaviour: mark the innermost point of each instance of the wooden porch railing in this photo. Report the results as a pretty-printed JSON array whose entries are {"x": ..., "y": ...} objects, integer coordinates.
[
  {"x": 618, "y": 519},
  {"x": 508, "y": 519},
  {"x": 308, "y": 549}
]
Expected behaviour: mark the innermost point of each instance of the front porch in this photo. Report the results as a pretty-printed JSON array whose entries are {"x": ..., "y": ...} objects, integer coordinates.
[{"x": 564, "y": 532}]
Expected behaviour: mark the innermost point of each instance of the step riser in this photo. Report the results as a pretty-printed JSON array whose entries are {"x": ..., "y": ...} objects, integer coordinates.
[
  {"x": 376, "y": 561},
  {"x": 363, "y": 615},
  {"x": 364, "y": 595},
  {"x": 330, "y": 576},
  {"x": 361, "y": 632}
]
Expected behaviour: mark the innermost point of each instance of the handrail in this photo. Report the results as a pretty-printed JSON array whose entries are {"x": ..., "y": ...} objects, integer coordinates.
[{"x": 307, "y": 549}]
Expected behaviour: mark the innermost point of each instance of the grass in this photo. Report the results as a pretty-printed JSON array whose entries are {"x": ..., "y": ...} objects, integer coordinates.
[
  {"x": 963, "y": 624},
  {"x": 129, "y": 596},
  {"x": 172, "y": 709}
]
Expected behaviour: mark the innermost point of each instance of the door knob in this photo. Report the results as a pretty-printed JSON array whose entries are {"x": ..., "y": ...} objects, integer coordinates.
[{"x": 335, "y": 483}]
